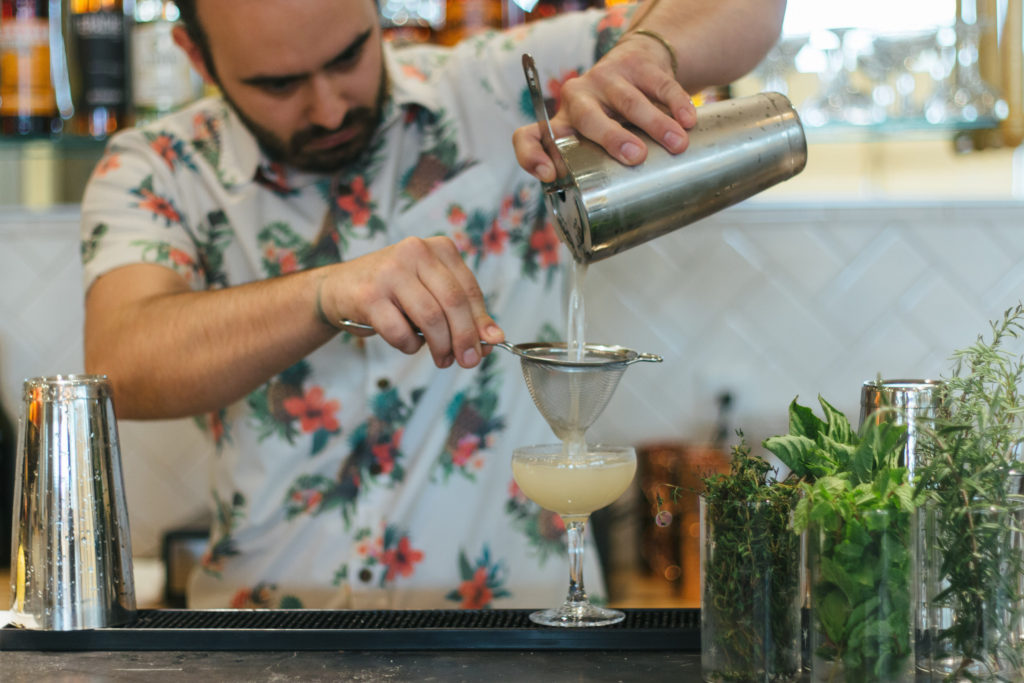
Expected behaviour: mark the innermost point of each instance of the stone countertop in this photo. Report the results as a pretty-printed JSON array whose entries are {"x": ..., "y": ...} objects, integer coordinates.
[{"x": 448, "y": 666}]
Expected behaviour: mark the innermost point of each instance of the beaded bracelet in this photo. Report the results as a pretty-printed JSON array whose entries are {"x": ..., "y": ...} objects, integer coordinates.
[{"x": 661, "y": 39}]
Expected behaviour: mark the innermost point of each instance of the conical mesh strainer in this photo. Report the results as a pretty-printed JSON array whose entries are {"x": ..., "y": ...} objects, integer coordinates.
[{"x": 569, "y": 393}]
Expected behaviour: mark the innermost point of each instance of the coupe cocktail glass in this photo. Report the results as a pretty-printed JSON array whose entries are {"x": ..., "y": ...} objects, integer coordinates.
[{"x": 574, "y": 485}]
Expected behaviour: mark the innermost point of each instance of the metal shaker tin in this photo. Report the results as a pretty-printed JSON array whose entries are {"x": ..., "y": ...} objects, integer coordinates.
[
  {"x": 71, "y": 559},
  {"x": 914, "y": 403},
  {"x": 738, "y": 148}
]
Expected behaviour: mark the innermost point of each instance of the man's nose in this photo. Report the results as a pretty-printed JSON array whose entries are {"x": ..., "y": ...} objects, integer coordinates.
[{"x": 327, "y": 106}]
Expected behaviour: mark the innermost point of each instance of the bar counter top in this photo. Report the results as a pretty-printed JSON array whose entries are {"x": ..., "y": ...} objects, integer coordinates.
[{"x": 451, "y": 667}]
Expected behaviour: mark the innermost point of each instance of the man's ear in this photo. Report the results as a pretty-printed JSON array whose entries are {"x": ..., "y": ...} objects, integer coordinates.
[{"x": 195, "y": 55}]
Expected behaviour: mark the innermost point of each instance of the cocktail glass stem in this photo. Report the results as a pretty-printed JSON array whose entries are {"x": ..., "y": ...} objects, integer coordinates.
[
  {"x": 574, "y": 539},
  {"x": 577, "y": 609}
]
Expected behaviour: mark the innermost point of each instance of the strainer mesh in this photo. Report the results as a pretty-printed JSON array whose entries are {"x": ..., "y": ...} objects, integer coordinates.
[{"x": 571, "y": 397}]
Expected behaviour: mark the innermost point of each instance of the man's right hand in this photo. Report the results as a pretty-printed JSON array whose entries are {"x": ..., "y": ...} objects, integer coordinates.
[
  {"x": 415, "y": 284},
  {"x": 171, "y": 351}
]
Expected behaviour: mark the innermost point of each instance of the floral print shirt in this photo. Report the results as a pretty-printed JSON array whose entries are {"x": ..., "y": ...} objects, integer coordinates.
[{"x": 362, "y": 477}]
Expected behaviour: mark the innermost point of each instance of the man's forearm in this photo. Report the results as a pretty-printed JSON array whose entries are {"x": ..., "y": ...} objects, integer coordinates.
[
  {"x": 715, "y": 42},
  {"x": 180, "y": 353}
]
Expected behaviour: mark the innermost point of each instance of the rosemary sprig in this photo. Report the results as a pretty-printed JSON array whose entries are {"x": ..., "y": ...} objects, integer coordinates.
[{"x": 971, "y": 477}]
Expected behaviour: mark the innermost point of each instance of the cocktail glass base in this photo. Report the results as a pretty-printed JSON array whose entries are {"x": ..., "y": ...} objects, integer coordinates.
[{"x": 576, "y": 615}]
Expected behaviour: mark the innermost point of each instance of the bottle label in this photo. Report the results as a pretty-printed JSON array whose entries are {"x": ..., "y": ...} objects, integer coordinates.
[
  {"x": 99, "y": 37},
  {"x": 25, "y": 87},
  {"x": 162, "y": 76}
]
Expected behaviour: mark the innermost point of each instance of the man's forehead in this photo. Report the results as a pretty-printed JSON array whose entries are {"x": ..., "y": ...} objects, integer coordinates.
[
  {"x": 288, "y": 35},
  {"x": 212, "y": 13}
]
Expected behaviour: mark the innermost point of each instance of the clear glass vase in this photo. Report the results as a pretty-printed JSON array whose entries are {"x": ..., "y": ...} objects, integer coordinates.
[
  {"x": 751, "y": 592},
  {"x": 863, "y": 596},
  {"x": 975, "y": 589}
]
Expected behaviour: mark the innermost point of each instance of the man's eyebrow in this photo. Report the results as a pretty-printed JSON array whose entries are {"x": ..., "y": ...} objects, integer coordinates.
[{"x": 346, "y": 54}]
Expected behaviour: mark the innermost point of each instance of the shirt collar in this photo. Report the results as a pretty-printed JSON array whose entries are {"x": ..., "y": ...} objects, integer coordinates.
[{"x": 242, "y": 161}]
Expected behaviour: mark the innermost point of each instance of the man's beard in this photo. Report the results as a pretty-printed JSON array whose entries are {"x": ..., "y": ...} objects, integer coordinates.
[{"x": 365, "y": 120}]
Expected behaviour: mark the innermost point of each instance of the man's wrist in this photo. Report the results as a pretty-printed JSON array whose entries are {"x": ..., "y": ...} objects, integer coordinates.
[
  {"x": 320, "y": 307},
  {"x": 654, "y": 35}
]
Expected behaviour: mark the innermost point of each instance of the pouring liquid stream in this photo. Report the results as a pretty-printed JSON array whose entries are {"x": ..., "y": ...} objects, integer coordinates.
[{"x": 574, "y": 447}]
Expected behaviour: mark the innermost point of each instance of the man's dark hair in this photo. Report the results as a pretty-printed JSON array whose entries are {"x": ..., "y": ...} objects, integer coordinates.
[{"x": 190, "y": 20}]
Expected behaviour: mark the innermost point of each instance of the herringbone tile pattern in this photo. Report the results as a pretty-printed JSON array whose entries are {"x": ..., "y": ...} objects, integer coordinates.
[{"x": 767, "y": 301}]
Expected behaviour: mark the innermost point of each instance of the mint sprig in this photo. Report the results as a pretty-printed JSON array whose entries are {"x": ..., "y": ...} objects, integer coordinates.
[{"x": 858, "y": 501}]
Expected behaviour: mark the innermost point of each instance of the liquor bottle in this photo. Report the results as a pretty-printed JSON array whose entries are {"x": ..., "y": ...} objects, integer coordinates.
[
  {"x": 411, "y": 21},
  {"x": 28, "y": 104},
  {"x": 98, "y": 29},
  {"x": 162, "y": 78},
  {"x": 545, "y": 9},
  {"x": 464, "y": 18}
]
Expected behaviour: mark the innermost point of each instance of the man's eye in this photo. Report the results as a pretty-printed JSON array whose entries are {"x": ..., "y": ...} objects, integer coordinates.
[
  {"x": 345, "y": 62},
  {"x": 282, "y": 87}
]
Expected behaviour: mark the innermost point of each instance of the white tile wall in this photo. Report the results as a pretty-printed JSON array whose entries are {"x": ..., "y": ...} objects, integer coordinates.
[
  {"x": 767, "y": 300},
  {"x": 41, "y": 334},
  {"x": 771, "y": 301}
]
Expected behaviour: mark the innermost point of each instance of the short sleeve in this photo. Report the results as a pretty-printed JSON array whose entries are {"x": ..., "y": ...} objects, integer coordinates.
[{"x": 133, "y": 210}]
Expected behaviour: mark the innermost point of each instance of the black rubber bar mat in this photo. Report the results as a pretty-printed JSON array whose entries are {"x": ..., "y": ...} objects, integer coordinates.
[{"x": 174, "y": 629}]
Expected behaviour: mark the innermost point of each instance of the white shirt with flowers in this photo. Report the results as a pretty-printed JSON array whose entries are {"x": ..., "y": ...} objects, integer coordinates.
[{"x": 362, "y": 477}]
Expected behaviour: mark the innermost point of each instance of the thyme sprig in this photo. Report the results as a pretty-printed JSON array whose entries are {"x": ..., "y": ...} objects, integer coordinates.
[{"x": 750, "y": 615}]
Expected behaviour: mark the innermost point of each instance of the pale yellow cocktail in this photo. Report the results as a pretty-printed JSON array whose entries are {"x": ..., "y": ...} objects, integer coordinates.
[
  {"x": 573, "y": 480},
  {"x": 574, "y": 487}
]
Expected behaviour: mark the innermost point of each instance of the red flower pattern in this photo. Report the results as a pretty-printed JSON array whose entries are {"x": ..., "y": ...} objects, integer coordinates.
[
  {"x": 385, "y": 457},
  {"x": 289, "y": 262},
  {"x": 203, "y": 126},
  {"x": 614, "y": 18},
  {"x": 465, "y": 449},
  {"x": 495, "y": 239},
  {"x": 545, "y": 243},
  {"x": 164, "y": 146},
  {"x": 313, "y": 411},
  {"x": 309, "y": 499},
  {"x": 181, "y": 258},
  {"x": 456, "y": 216},
  {"x": 251, "y": 597},
  {"x": 385, "y": 453},
  {"x": 159, "y": 206},
  {"x": 212, "y": 563},
  {"x": 216, "y": 426},
  {"x": 413, "y": 72},
  {"x": 110, "y": 162},
  {"x": 475, "y": 593},
  {"x": 555, "y": 86},
  {"x": 357, "y": 202},
  {"x": 400, "y": 560}
]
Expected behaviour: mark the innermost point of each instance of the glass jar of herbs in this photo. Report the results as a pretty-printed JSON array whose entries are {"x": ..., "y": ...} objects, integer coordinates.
[{"x": 751, "y": 579}]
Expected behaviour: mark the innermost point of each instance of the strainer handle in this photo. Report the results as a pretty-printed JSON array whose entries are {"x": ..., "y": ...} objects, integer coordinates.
[
  {"x": 345, "y": 322},
  {"x": 646, "y": 357}
]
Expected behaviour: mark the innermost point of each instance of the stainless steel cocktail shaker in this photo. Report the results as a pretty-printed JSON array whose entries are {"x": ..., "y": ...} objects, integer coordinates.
[
  {"x": 911, "y": 402},
  {"x": 71, "y": 559},
  {"x": 601, "y": 207}
]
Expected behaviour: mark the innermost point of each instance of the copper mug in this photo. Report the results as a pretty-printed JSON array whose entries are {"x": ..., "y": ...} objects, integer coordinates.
[{"x": 71, "y": 559}]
